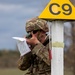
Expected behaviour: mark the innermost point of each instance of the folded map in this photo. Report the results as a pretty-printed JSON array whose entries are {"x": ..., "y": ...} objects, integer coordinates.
[{"x": 22, "y": 45}]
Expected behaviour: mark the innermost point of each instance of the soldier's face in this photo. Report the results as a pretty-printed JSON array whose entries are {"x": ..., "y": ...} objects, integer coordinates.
[{"x": 41, "y": 36}]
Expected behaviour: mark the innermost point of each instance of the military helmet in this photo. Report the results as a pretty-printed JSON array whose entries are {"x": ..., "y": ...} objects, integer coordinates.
[{"x": 36, "y": 24}]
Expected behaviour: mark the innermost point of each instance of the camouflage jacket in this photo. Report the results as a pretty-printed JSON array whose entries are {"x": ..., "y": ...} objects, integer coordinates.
[{"x": 40, "y": 63}]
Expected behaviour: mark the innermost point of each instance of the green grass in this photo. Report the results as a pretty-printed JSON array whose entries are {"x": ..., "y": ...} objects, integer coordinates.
[
  {"x": 68, "y": 71},
  {"x": 11, "y": 72},
  {"x": 16, "y": 71}
]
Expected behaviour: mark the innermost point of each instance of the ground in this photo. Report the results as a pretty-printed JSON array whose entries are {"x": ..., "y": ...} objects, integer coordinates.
[{"x": 15, "y": 71}]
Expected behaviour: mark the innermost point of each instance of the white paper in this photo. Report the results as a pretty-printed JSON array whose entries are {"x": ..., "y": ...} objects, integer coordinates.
[
  {"x": 19, "y": 38},
  {"x": 22, "y": 45}
]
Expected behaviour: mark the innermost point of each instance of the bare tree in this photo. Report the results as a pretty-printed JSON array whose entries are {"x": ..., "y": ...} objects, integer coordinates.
[
  {"x": 73, "y": 39},
  {"x": 71, "y": 52},
  {"x": 73, "y": 45}
]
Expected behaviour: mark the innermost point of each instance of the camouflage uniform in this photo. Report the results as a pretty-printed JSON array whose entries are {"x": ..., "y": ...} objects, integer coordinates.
[{"x": 38, "y": 59}]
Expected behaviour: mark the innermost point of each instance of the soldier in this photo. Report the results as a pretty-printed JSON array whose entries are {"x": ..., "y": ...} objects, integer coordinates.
[{"x": 38, "y": 60}]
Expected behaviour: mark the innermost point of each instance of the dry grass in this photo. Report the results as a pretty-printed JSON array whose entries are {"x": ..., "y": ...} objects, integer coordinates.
[
  {"x": 68, "y": 71},
  {"x": 11, "y": 72},
  {"x": 19, "y": 72}
]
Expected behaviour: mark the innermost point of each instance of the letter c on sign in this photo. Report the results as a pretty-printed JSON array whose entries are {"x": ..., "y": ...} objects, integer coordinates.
[{"x": 50, "y": 9}]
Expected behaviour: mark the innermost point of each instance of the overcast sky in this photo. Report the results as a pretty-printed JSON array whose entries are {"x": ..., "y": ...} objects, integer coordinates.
[{"x": 13, "y": 16}]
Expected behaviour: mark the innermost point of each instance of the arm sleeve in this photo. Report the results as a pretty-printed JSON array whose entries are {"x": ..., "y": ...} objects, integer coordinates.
[{"x": 42, "y": 51}]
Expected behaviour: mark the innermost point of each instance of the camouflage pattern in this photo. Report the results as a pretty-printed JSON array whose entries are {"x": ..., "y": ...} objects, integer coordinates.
[
  {"x": 25, "y": 61},
  {"x": 37, "y": 61},
  {"x": 36, "y": 24},
  {"x": 40, "y": 62}
]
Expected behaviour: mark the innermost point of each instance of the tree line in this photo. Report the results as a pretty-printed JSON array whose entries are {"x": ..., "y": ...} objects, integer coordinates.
[{"x": 8, "y": 58}]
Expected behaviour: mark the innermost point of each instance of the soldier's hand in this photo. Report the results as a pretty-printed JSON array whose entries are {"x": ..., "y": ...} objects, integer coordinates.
[{"x": 33, "y": 40}]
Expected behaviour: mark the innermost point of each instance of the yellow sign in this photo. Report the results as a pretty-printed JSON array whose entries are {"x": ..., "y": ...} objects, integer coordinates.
[{"x": 59, "y": 9}]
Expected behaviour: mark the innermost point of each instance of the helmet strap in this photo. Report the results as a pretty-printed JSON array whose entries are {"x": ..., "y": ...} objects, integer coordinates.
[{"x": 38, "y": 36}]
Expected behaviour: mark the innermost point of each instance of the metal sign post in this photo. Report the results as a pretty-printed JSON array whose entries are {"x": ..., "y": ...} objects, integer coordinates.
[{"x": 57, "y": 66}]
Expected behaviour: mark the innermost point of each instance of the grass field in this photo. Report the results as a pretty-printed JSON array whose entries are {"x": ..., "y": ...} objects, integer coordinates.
[
  {"x": 68, "y": 71},
  {"x": 11, "y": 72},
  {"x": 19, "y": 72}
]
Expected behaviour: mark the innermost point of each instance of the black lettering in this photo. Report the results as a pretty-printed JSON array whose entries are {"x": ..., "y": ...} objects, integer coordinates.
[
  {"x": 67, "y": 11},
  {"x": 50, "y": 9}
]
